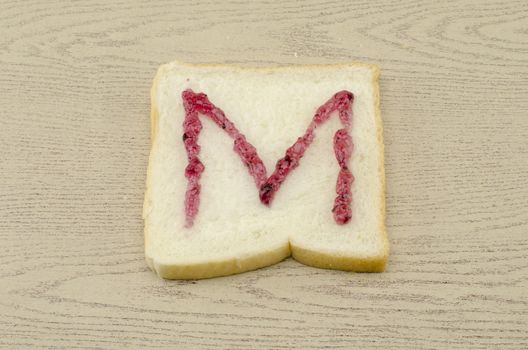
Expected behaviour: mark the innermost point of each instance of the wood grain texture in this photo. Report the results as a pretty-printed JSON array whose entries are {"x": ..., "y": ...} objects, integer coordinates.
[{"x": 74, "y": 134}]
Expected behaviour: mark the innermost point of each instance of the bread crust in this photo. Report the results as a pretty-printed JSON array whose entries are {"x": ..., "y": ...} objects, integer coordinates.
[{"x": 231, "y": 266}]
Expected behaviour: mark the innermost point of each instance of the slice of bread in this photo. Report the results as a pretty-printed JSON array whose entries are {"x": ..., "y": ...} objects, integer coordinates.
[{"x": 232, "y": 230}]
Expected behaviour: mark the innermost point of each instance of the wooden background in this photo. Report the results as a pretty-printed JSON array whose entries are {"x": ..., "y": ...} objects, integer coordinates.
[{"x": 74, "y": 138}]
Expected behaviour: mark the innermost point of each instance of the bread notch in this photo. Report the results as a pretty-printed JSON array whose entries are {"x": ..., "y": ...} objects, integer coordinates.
[{"x": 251, "y": 165}]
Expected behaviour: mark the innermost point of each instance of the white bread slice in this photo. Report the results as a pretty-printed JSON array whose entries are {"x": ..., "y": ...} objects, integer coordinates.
[{"x": 233, "y": 231}]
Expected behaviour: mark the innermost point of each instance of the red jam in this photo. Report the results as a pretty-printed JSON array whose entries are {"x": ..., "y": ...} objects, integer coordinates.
[{"x": 198, "y": 103}]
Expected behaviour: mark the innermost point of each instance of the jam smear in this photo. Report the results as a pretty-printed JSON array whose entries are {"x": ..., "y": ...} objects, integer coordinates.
[{"x": 198, "y": 103}]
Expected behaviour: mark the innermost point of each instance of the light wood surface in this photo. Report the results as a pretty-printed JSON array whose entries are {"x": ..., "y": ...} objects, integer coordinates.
[{"x": 74, "y": 137}]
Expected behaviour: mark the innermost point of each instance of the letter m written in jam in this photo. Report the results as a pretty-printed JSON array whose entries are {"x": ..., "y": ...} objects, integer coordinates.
[{"x": 196, "y": 104}]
